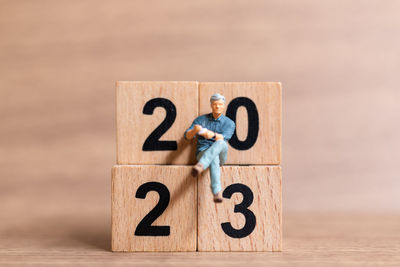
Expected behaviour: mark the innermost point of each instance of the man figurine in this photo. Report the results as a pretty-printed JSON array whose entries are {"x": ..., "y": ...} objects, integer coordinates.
[{"x": 213, "y": 130}]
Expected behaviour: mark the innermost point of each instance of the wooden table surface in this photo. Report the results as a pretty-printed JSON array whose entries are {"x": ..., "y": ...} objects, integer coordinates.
[
  {"x": 338, "y": 63},
  {"x": 309, "y": 240}
]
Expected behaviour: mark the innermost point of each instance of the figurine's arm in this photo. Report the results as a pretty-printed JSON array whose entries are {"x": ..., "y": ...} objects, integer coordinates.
[
  {"x": 191, "y": 133},
  {"x": 219, "y": 137},
  {"x": 207, "y": 134},
  {"x": 210, "y": 134},
  {"x": 229, "y": 129}
]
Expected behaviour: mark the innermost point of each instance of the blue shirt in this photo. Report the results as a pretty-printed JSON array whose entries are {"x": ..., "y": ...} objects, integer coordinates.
[{"x": 223, "y": 125}]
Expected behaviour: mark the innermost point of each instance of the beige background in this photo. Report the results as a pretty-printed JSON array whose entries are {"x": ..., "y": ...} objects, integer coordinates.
[{"x": 338, "y": 62}]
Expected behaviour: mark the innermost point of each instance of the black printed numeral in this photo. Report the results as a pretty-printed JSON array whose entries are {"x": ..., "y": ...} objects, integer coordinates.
[
  {"x": 145, "y": 228},
  {"x": 240, "y": 208},
  {"x": 152, "y": 142},
  {"x": 253, "y": 122}
]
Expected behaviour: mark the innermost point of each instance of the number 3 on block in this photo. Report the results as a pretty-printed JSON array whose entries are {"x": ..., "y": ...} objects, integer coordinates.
[
  {"x": 250, "y": 216},
  {"x": 242, "y": 207}
]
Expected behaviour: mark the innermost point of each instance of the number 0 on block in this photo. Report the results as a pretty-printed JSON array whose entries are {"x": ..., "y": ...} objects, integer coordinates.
[{"x": 256, "y": 109}]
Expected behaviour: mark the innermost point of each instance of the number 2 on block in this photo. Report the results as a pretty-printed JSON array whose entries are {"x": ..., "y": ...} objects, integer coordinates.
[
  {"x": 152, "y": 142},
  {"x": 145, "y": 228}
]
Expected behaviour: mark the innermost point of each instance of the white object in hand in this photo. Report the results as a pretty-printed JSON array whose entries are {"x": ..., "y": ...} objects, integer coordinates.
[{"x": 203, "y": 130}]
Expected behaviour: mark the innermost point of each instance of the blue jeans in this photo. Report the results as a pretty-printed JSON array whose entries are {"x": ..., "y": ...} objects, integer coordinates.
[{"x": 214, "y": 157}]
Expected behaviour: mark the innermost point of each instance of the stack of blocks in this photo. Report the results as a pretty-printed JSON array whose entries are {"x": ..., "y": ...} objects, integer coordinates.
[{"x": 158, "y": 206}]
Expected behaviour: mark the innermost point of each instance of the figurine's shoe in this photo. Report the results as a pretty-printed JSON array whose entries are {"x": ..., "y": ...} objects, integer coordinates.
[
  {"x": 197, "y": 169},
  {"x": 218, "y": 197}
]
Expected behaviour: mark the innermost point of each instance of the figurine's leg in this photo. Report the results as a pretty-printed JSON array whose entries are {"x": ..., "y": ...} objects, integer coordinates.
[
  {"x": 198, "y": 168},
  {"x": 212, "y": 152},
  {"x": 215, "y": 174},
  {"x": 218, "y": 150},
  {"x": 223, "y": 155},
  {"x": 199, "y": 155}
]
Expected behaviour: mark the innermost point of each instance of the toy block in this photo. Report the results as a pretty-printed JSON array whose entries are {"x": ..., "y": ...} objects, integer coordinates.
[
  {"x": 154, "y": 208},
  {"x": 151, "y": 120},
  {"x": 255, "y": 107},
  {"x": 250, "y": 216}
]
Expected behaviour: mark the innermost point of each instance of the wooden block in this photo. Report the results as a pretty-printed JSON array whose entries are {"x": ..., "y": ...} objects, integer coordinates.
[
  {"x": 250, "y": 216},
  {"x": 151, "y": 120},
  {"x": 256, "y": 109},
  {"x": 154, "y": 208}
]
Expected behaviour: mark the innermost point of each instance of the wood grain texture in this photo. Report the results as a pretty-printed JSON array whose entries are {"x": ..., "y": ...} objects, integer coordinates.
[
  {"x": 310, "y": 239},
  {"x": 267, "y": 98},
  {"x": 134, "y": 127},
  {"x": 58, "y": 67},
  {"x": 265, "y": 183},
  {"x": 60, "y": 60},
  {"x": 128, "y": 211}
]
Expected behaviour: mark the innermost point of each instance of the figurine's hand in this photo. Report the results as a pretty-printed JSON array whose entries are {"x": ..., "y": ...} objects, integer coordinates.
[
  {"x": 202, "y": 131},
  {"x": 219, "y": 137},
  {"x": 208, "y": 134},
  {"x": 197, "y": 128},
  {"x": 191, "y": 133}
]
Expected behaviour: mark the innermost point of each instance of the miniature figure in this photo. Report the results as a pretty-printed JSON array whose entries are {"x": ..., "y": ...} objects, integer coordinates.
[{"x": 213, "y": 130}]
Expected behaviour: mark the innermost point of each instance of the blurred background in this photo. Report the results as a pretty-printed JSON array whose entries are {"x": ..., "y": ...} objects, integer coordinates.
[{"x": 338, "y": 62}]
